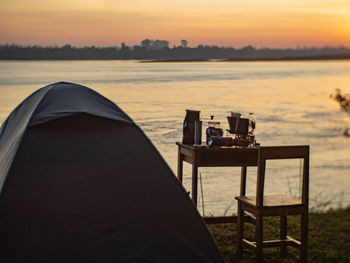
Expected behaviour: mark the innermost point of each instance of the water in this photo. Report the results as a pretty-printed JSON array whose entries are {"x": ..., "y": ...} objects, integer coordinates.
[{"x": 290, "y": 100}]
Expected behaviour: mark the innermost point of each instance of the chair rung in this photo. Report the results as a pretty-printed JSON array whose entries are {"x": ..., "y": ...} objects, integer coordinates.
[
  {"x": 274, "y": 243},
  {"x": 295, "y": 243},
  {"x": 249, "y": 243},
  {"x": 227, "y": 219},
  {"x": 250, "y": 218}
]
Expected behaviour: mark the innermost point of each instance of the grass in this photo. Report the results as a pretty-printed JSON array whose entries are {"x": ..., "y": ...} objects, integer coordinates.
[{"x": 329, "y": 238}]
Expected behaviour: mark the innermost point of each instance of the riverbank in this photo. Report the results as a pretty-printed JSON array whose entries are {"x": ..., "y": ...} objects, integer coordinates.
[
  {"x": 255, "y": 59},
  {"x": 175, "y": 54},
  {"x": 329, "y": 238},
  {"x": 181, "y": 60}
]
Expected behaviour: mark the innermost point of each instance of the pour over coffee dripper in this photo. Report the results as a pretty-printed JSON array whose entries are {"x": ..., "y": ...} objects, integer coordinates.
[
  {"x": 232, "y": 121},
  {"x": 242, "y": 129},
  {"x": 239, "y": 128},
  {"x": 242, "y": 125}
]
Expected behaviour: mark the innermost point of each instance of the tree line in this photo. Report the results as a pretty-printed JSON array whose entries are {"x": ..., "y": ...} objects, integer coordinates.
[{"x": 159, "y": 50}]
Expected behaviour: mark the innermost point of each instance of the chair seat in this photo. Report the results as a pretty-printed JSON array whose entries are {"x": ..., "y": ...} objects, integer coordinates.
[
  {"x": 270, "y": 201},
  {"x": 274, "y": 205}
]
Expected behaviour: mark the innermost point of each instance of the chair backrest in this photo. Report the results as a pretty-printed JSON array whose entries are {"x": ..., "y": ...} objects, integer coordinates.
[{"x": 282, "y": 152}]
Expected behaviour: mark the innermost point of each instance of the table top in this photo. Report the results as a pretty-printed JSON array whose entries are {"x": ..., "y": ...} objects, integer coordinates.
[
  {"x": 219, "y": 155},
  {"x": 205, "y": 147}
]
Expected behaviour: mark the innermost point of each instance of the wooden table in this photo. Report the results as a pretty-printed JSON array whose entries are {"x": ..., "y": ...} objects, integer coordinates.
[{"x": 203, "y": 156}]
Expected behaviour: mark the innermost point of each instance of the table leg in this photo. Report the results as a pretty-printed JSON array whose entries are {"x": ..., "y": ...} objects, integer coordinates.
[
  {"x": 243, "y": 180},
  {"x": 194, "y": 183},
  {"x": 180, "y": 159}
]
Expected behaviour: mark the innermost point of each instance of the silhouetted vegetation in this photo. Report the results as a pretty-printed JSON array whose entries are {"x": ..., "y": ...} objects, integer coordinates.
[
  {"x": 343, "y": 100},
  {"x": 159, "y": 50}
]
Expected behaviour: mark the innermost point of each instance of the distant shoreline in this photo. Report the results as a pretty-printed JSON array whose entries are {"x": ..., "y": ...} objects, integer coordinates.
[
  {"x": 185, "y": 60},
  {"x": 166, "y": 54},
  {"x": 247, "y": 59}
]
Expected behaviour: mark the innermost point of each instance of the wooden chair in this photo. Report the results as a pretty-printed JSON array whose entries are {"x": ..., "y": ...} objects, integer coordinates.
[{"x": 259, "y": 206}]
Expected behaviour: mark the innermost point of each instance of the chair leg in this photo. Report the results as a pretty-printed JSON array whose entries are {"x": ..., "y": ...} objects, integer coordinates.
[
  {"x": 259, "y": 239},
  {"x": 304, "y": 237},
  {"x": 240, "y": 231},
  {"x": 283, "y": 233}
]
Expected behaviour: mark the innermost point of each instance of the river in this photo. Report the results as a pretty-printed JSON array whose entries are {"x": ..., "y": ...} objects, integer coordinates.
[{"x": 290, "y": 100}]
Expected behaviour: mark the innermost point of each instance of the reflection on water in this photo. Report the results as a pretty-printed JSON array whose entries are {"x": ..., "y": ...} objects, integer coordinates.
[{"x": 290, "y": 99}]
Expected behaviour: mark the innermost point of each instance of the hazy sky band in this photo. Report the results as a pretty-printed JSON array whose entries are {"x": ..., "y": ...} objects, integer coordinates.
[{"x": 221, "y": 22}]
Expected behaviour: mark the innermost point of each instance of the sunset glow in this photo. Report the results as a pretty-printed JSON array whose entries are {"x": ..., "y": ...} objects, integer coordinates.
[{"x": 223, "y": 22}]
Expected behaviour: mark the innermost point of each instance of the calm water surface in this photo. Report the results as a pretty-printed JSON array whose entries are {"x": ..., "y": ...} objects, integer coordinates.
[{"x": 290, "y": 99}]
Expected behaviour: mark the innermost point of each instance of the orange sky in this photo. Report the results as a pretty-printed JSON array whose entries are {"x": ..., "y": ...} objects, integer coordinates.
[{"x": 270, "y": 23}]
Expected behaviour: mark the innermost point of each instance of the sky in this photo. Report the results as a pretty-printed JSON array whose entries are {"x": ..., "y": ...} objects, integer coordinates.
[{"x": 260, "y": 23}]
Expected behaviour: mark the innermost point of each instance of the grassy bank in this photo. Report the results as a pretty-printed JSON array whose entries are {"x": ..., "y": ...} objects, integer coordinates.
[{"x": 329, "y": 238}]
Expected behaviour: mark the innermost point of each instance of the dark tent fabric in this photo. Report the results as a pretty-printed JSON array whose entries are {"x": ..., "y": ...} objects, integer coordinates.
[{"x": 80, "y": 182}]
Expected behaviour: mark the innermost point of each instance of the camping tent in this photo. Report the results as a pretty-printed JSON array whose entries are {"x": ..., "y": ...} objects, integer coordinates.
[{"x": 80, "y": 182}]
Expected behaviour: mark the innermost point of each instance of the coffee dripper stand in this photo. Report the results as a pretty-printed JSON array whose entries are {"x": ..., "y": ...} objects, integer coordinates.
[{"x": 242, "y": 130}]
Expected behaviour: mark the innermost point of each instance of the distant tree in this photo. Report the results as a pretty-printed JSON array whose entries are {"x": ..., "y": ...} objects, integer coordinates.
[
  {"x": 184, "y": 43},
  {"x": 159, "y": 44},
  {"x": 146, "y": 43},
  {"x": 64, "y": 47},
  {"x": 154, "y": 44},
  {"x": 136, "y": 47},
  {"x": 248, "y": 48},
  {"x": 123, "y": 46}
]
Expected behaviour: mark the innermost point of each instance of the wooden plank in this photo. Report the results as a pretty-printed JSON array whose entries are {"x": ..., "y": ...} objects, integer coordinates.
[
  {"x": 249, "y": 243},
  {"x": 284, "y": 152},
  {"x": 227, "y": 219},
  {"x": 260, "y": 182},
  {"x": 243, "y": 180},
  {"x": 194, "y": 184},
  {"x": 259, "y": 226},
  {"x": 305, "y": 187},
  {"x": 304, "y": 236},
  {"x": 296, "y": 243},
  {"x": 278, "y": 211},
  {"x": 272, "y": 201},
  {"x": 179, "y": 165},
  {"x": 188, "y": 159},
  {"x": 228, "y": 158},
  {"x": 240, "y": 231},
  {"x": 274, "y": 243},
  {"x": 283, "y": 233},
  {"x": 219, "y": 156},
  {"x": 278, "y": 243},
  {"x": 250, "y": 218},
  {"x": 186, "y": 152}
]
